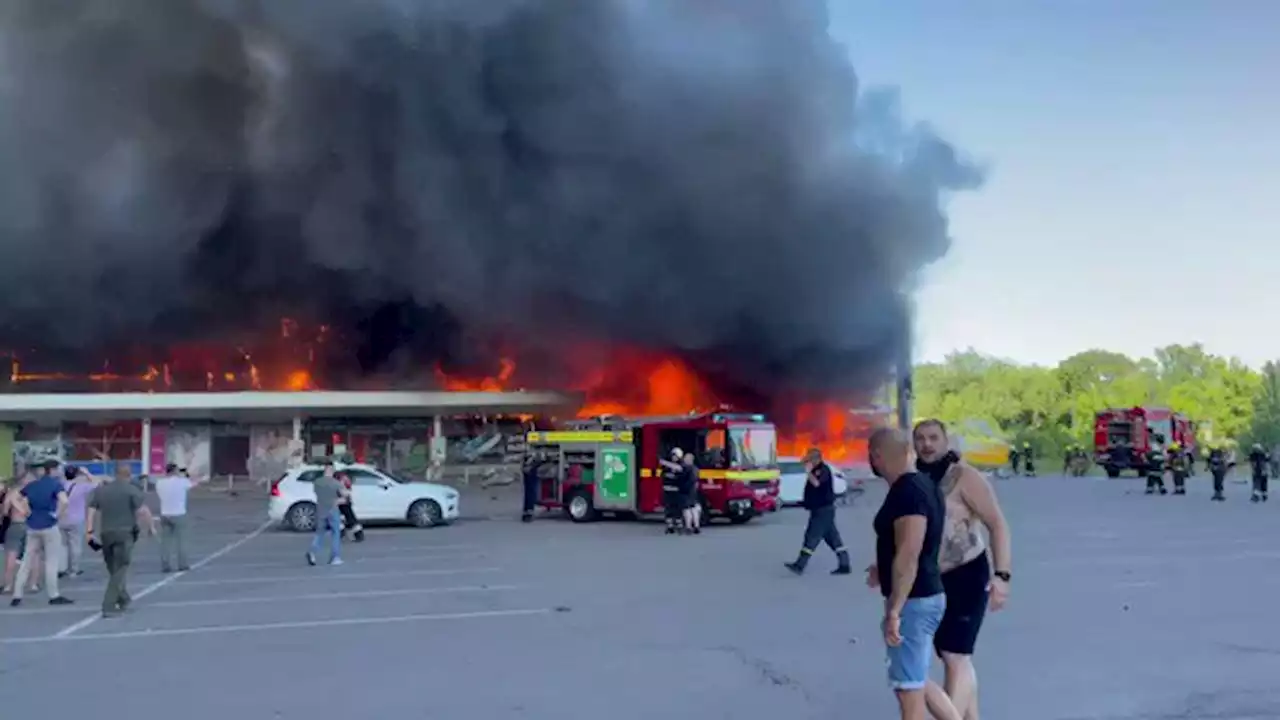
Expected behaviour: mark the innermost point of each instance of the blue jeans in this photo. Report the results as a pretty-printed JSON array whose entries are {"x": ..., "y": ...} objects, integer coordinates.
[
  {"x": 331, "y": 525},
  {"x": 908, "y": 663}
]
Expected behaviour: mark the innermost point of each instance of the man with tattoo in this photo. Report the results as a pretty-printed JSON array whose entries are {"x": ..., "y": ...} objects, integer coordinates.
[
  {"x": 967, "y": 574},
  {"x": 909, "y": 531}
]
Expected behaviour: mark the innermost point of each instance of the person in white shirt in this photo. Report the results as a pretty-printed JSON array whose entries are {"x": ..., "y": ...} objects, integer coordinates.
[{"x": 172, "y": 490}]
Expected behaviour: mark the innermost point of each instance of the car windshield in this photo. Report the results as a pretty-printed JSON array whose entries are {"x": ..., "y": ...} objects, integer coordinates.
[{"x": 753, "y": 447}]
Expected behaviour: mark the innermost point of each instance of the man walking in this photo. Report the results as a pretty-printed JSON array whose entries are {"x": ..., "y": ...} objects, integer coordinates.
[
  {"x": 48, "y": 504},
  {"x": 79, "y": 486},
  {"x": 116, "y": 510},
  {"x": 329, "y": 493},
  {"x": 968, "y": 580},
  {"x": 909, "y": 528},
  {"x": 1218, "y": 467},
  {"x": 820, "y": 501},
  {"x": 173, "y": 490}
]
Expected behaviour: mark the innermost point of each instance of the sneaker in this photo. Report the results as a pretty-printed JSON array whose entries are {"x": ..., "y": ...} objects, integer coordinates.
[
  {"x": 15, "y": 602},
  {"x": 336, "y": 561},
  {"x": 60, "y": 600},
  {"x": 311, "y": 559}
]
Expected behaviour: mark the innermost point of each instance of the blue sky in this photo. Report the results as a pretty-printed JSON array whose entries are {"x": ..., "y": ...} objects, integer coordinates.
[{"x": 1134, "y": 197}]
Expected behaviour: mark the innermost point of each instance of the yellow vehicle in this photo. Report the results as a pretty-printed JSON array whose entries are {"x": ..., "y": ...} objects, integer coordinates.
[{"x": 980, "y": 445}]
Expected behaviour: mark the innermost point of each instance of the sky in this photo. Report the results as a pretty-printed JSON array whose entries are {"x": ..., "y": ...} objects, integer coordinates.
[{"x": 1134, "y": 192}]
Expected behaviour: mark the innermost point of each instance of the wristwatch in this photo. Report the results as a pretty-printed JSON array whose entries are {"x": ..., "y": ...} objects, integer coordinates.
[{"x": 1003, "y": 575}]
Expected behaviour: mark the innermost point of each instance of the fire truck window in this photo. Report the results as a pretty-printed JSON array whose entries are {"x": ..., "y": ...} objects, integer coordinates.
[
  {"x": 753, "y": 447},
  {"x": 686, "y": 440},
  {"x": 713, "y": 453}
]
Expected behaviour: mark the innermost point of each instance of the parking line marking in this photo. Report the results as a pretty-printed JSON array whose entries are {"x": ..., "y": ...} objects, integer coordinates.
[
  {"x": 292, "y": 560},
  {"x": 69, "y": 630},
  {"x": 263, "y": 627},
  {"x": 283, "y": 598},
  {"x": 321, "y": 574}
]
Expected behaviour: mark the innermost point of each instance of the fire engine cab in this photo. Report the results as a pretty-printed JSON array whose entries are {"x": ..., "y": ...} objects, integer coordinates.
[{"x": 609, "y": 465}]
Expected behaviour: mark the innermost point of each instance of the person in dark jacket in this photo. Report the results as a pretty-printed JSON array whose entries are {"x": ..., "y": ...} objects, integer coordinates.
[
  {"x": 531, "y": 481},
  {"x": 350, "y": 523},
  {"x": 693, "y": 504},
  {"x": 1179, "y": 460},
  {"x": 1218, "y": 466},
  {"x": 820, "y": 501},
  {"x": 1260, "y": 461},
  {"x": 673, "y": 500},
  {"x": 1156, "y": 464},
  {"x": 1028, "y": 460}
]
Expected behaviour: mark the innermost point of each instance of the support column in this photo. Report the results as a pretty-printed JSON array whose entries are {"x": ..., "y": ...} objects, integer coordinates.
[
  {"x": 297, "y": 427},
  {"x": 146, "y": 453}
]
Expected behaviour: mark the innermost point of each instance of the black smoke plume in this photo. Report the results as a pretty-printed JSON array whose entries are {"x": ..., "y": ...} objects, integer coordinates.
[{"x": 442, "y": 180}]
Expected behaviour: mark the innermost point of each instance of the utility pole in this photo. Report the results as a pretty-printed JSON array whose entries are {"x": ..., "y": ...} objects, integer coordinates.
[{"x": 902, "y": 375}]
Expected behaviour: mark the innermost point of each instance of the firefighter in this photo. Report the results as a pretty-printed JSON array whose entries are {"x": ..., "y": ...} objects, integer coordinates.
[
  {"x": 1068, "y": 460},
  {"x": 1028, "y": 460},
  {"x": 1260, "y": 461},
  {"x": 1179, "y": 459},
  {"x": 1155, "y": 467},
  {"x": 820, "y": 501},
  {"x": 1014, "y": 457},
  {"x": 1218, "y": 467},
  {"x": 673, "y": 501},
  {"x": 531, "y": 481}
]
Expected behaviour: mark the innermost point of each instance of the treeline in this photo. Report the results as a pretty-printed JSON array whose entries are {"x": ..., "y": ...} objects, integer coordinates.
[{"x": 1054, "y": 407}]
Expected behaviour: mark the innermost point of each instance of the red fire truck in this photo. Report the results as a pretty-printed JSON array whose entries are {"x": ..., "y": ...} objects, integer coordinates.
[
  {"x": 1122, "y": 436},
  {"x": 609, "y": 465}
]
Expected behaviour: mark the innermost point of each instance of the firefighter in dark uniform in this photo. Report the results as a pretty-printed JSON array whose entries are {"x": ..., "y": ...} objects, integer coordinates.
[
  {"x": 1179, "y": 461},
  {"x": 529, "y": 474},
  {"x": 1014, "y": 457},
  {"x": 1028, "y": 460},
  {"x": 820, "y": 501},
  {"x": 673, "y": 500},
  {"x": 1218, "y": 467},
  {"x": 1260, "y": 461},
  {"x": 1155, "y": 462},
  {"x": 1068, "y": 460}
]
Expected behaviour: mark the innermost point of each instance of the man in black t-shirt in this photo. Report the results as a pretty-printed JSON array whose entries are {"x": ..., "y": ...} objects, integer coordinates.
[{"x": 908, "y": 530}]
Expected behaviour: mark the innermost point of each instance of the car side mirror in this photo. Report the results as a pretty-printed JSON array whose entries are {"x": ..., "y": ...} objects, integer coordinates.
[{"x": 385, "y": 485}]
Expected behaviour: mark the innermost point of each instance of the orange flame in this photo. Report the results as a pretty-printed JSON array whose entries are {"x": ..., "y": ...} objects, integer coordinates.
[{"x": 638, "y": 384}]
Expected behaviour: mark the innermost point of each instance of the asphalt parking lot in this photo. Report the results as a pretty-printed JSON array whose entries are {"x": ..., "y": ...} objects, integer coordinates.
[{"x": 1124, "y": 606}]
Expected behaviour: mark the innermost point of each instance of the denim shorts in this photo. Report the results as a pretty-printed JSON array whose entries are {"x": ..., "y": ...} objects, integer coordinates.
[{"x": 908, "y": 663}]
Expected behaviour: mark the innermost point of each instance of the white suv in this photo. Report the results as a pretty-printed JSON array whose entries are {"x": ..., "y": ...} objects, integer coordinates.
[{"x": 376, "y": 495}]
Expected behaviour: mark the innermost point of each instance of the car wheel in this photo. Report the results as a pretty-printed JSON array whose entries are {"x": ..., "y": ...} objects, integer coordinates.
[
  {"x": 301, "y": 517},
  {"x": 740, "y": 519},
  {"x": 580, "y": 508},
  {"x": 425, "y": 514}
]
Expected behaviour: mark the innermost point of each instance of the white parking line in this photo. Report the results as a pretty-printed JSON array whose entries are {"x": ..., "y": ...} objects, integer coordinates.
[
  {"x": 362, "y": 560},
  {"x": 327, "y": 575},
  {"x": 82, "y": 624},
  {"x": 284, "y": 598},
  {"x": 264, "y": 627}
]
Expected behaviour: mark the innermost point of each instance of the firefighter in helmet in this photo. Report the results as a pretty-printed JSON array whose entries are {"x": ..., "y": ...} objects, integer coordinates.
[
  {"x": 1014, "y": 458},
  {"x": 1155, "y": 466},
  {"x": 1179, "y": 460},
  {"x": 1218, "y": 466},
  {"x": 1028, "y": 460},
  {"x": 1260, "y": 461}
]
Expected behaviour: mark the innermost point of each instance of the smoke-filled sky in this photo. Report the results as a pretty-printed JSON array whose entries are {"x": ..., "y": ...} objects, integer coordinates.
[{"x": 706, "y": 177}]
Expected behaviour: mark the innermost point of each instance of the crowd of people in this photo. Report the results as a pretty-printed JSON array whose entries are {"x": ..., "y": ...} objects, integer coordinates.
[{"x": 52, "y": 512}]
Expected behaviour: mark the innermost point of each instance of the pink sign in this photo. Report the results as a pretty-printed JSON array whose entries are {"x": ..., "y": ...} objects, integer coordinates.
[{"x": 156, "y": 462}]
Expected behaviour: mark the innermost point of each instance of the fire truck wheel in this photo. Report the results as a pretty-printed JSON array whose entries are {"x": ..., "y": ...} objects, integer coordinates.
[
  {"x": 425, "y": 513},
  {"x": 580, "y": 508},
  {"x": 301, "y": 517}
]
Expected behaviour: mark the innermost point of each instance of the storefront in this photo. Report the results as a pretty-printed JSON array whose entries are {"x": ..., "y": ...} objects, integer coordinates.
[{"x": 259, "y": 435}]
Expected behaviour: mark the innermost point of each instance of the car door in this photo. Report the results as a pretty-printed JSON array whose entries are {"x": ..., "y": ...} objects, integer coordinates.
[{"x": 373, "y": 496}]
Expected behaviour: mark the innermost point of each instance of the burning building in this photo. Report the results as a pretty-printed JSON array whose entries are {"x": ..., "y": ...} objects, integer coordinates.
[{"x": 652, "y": 206}]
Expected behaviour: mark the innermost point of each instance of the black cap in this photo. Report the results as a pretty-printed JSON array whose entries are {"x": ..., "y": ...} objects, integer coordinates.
[
  {"x": 50, "y": 464},
  {"x": 171, "y": 468},
  {"x": 70, "y": 472}
]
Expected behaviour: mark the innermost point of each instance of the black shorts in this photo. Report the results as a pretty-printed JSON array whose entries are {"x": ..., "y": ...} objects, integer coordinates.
[{"x": 967, "y": 594}]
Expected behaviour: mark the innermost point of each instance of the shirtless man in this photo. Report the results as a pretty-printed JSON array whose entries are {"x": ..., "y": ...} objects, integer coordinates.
[{"x": 967, "y": 575}]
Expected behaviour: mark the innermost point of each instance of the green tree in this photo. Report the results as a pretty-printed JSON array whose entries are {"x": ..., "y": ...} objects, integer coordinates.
[{"x": 1264, "y": 425}]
